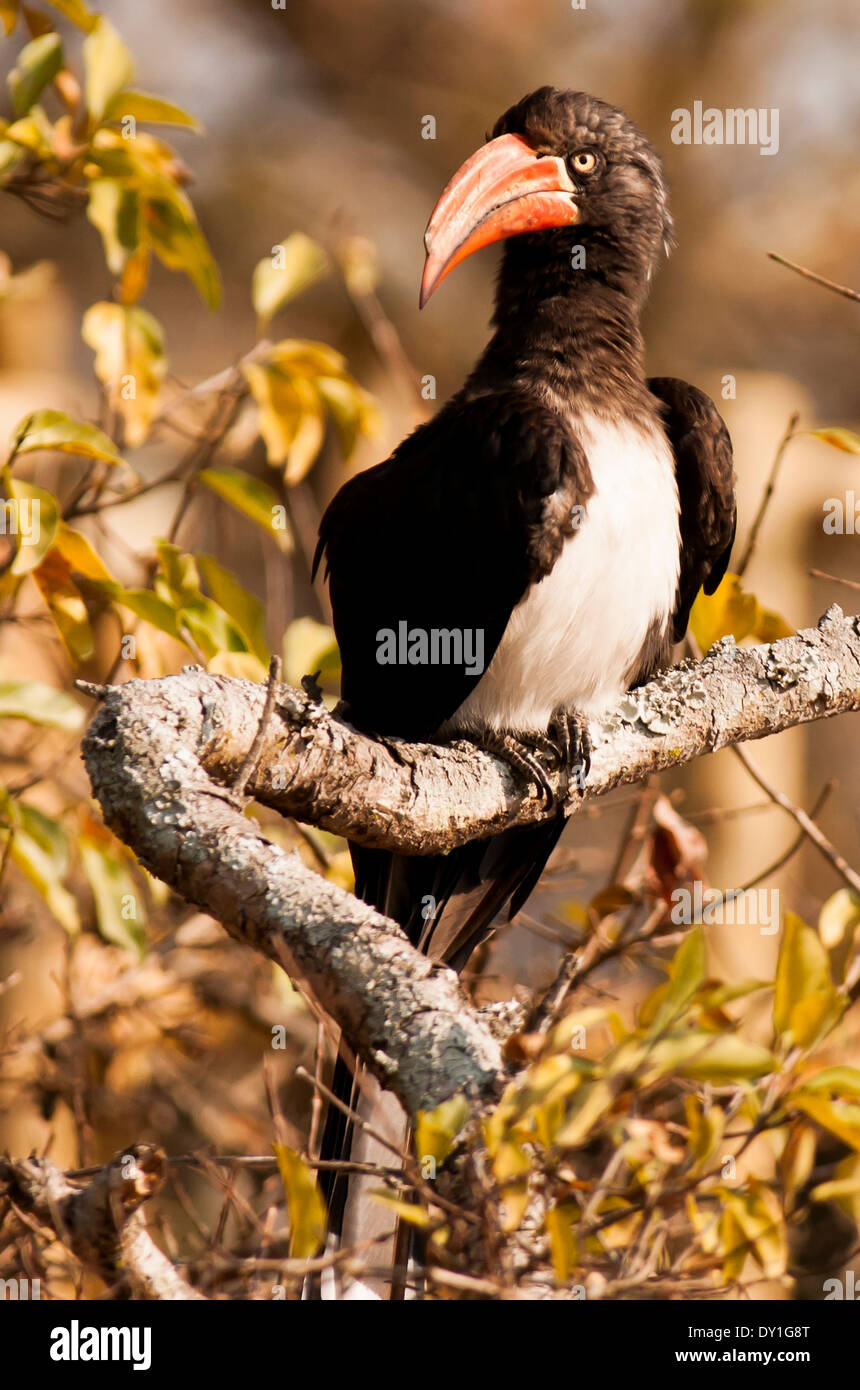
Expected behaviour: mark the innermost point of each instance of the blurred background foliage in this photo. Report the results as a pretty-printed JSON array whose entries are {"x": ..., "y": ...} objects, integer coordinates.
[{"x": 191, "y": 364}]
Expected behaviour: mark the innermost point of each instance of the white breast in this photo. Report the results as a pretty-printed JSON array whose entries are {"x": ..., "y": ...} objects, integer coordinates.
[{"x": 576, "y": 634}]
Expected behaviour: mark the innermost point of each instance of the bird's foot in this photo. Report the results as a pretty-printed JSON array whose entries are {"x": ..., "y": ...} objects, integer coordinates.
[
  {"x": 568, "y": 747},
  {"x": 568, "y": 731},
  {"x": 517, "y": 751}
]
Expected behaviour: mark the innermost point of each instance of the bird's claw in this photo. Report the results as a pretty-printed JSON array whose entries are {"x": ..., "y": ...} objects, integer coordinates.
[{"x": 566, "y": 746}]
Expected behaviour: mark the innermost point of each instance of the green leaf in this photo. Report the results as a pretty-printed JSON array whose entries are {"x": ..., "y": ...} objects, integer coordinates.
[
  {"x": 108, "y": 66},
  {"x": 717, "y": 1057},
  {"x": 842, "y": 1081},
  {"x": 117, "y": 898},
  {"x": 686, "y": 974},
  {"x": 295, "y": 263},
  {"x": 39, "y": 848},
  {"x": 838, "y": 438},
  {"x": 114, "y": 209},
  {"x": 10, "y": 156},
  {"x": 245, "y": 610},
  {"x": 77, "y": 12},
  {"x": 305, "y": 1203},
  {"x": 804, "y": 998},
  {"x": 310, "y": 646},
  {"x": 52, "y": 429},
  {"x": 176, "y": 239},
  {"x": 38, "y": 64},
  {"x": 143, "y": 603},
  {"x": 253, "y": 499},
  {"x": 353, "y": 410},
  {"x": 40, "y": 704},
  {"x": 144, "y": 107}
]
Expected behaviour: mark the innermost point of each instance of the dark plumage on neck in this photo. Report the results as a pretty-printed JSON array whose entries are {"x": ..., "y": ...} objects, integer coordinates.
[{"x": 575, "y": 332}]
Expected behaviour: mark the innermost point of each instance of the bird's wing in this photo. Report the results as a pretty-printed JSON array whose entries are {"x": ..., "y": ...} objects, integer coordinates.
[
  {"x": 706, "y": 489},
  {"x": 446, "y": 535}
]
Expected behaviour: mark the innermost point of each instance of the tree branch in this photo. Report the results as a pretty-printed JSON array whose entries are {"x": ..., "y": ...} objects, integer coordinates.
[
  {"x": 102, "y": 1223},
  {"x": 162, "y": 756}
]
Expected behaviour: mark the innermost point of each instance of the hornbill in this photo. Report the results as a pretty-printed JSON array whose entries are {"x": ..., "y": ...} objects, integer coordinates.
[{"x": 561, "y": 511}]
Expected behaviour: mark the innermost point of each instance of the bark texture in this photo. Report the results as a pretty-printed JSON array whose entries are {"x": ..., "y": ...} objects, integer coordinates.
[{"x": 162, "y": 756}]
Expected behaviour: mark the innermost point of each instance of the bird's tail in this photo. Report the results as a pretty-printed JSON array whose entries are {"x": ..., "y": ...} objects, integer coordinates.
[{"x": 447, "y": 905}]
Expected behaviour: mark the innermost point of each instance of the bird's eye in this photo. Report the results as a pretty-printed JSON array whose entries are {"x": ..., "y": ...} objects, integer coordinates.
[{"x": 584, "y": 161}]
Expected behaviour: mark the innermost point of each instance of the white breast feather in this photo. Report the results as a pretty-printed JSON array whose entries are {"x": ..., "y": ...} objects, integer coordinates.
[{"x": 576, "y": 634}]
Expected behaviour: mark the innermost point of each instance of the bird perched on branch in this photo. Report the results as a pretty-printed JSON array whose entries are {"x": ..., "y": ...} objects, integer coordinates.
[{"x": 552, "y": 525}]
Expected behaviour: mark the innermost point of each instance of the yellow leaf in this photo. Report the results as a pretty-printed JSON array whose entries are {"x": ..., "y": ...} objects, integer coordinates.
[
  {"x": 144, "y": 107},
  {"x": 77, "y": 12},
  {"x": 509, "y": 1164},
  {"x": 108, "y": 66},
  {"x": 130, "y": 362},
  {"x": 52, "y": 429},
  {"x": 359, "y": 264},
  {"x": 67, "y": 608},
  {"x": 436, "y": 1130},
  {"x": 295, "y": 263},
  {"x": 32, "y": 515},
  {"x": 8, "y": 15},
  {"x": 83, "y": 559},
  {"x": 728, "y": 611},
  {"x": 804, "y": 995},
  {"x": 305, "y": 1203},
  {"x": 410, "y": 1212},
  {"x": 243, "y": 665},
  {"x": 839, "y": 917},
  {"x": 563, "y": 1245},
  {"x": 839, "y": 1117},
  {"x": 290, "y": 418},
  {"x": 839, "y": 438}
]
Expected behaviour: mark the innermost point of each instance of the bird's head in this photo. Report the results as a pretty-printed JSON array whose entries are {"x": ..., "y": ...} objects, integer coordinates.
[{"x": 561, "y": 171}]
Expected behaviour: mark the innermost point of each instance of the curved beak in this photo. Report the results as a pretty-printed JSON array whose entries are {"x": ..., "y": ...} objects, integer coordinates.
[{"x": 503, "y": 190}]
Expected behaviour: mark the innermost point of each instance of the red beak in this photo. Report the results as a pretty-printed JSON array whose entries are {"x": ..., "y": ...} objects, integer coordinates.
[{"x": 503, "y": 190}]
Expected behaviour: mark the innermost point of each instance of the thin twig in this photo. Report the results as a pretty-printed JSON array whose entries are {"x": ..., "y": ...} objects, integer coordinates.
[
  {"x": 807, "y": 825},
  {"x": 783, "y": 859},
  {"x": 819, "y": 279},
  {"x": 835, "y": 579},
  {"x": 252, "y": 758},
  {"x": 768, "y": 494}
]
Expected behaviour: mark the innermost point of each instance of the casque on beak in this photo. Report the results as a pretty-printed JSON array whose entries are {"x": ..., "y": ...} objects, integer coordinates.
[{"x": 504, "y": 189}]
